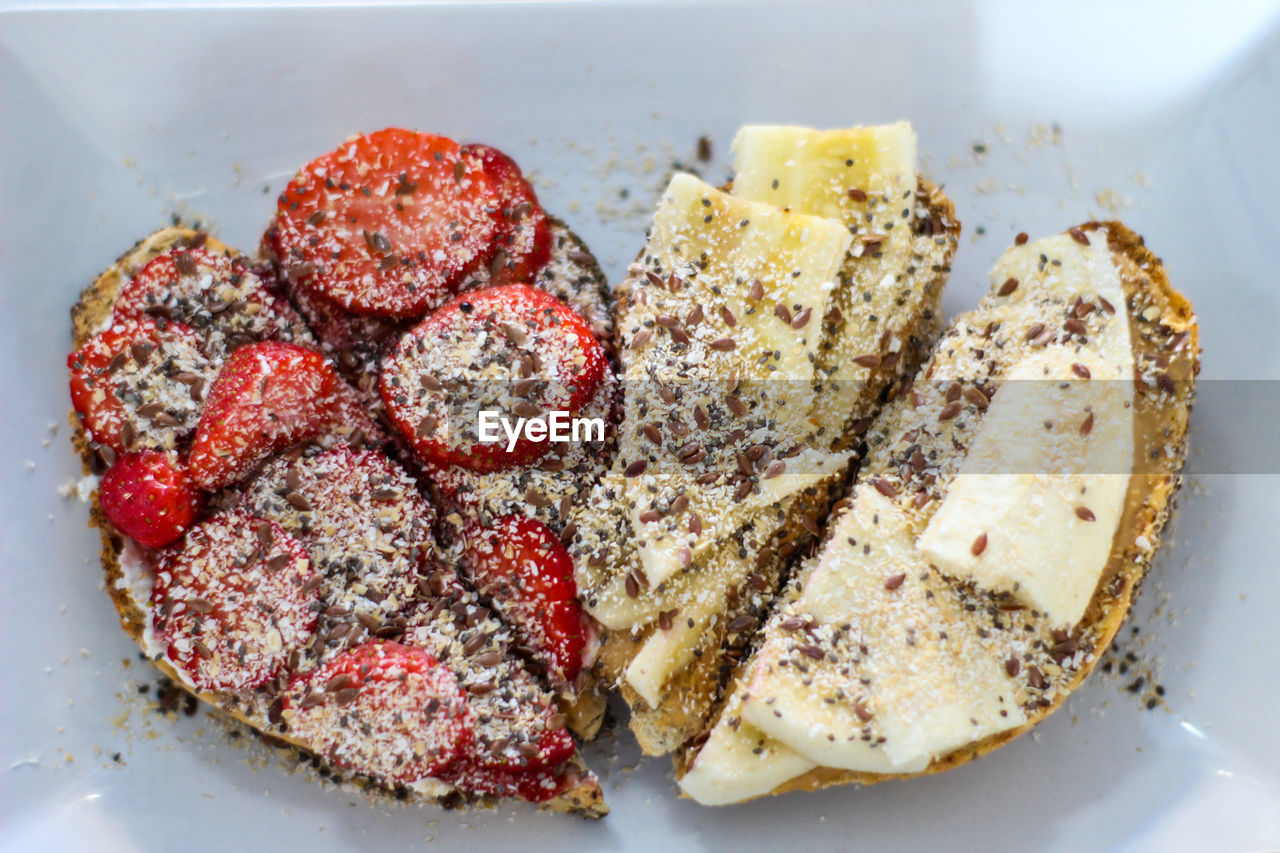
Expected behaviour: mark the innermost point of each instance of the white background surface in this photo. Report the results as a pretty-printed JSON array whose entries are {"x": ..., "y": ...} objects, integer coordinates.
[{"x": 112, "y": 120}]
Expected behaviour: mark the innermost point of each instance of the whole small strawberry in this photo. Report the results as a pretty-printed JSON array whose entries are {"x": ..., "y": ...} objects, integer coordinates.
[{"x": 148, "y": 496}]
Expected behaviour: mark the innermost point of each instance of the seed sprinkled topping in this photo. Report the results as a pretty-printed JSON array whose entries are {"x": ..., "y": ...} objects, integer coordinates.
[
  {"x": 886, "y": 488},
  {"x": 975, "y": 396}
]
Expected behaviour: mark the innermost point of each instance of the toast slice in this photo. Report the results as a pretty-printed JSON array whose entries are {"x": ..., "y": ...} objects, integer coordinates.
[
  {"x": 125, "y": 565},
  {"x": 990, "y": 551},
  {"x": 752, "y": 362}
]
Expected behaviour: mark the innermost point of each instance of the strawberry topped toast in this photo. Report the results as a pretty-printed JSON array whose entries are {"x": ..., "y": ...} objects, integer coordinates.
[{"x": 300, "y": 525}]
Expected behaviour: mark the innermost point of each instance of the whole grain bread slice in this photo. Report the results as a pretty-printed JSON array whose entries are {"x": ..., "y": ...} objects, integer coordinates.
[
  {"x": 89, "y": 315},
  {"x": 689, "y": 698},
  {"x": 1164, "y": 339}
]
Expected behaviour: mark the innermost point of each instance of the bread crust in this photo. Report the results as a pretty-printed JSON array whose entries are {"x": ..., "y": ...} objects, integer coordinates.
[
  {"x": 91, "y": 311},
  {"x": 1148, "y": 502}
]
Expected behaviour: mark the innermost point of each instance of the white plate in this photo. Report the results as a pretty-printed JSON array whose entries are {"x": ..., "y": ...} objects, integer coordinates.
[{"x": 112, "y": 120}]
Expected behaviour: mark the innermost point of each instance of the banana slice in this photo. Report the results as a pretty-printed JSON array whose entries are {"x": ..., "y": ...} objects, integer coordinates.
[
  {"x": 739, "y": 762},
  {"x": 667, "y": 650},
  {"x": 864, "y": 177},
  {"x": 666, "y": 547},
  {"x": 1055, "y": 448},
  {"x": 890, "y": 645},
  {"x": 719, "y": 346},
  {"x": 828, "y": 173},
  {"x": 697, "y": 591},
  {"x": 734, "y": 254}
]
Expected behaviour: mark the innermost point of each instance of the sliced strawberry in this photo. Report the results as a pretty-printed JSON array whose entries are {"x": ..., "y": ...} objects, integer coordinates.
[
  {"x": 543, "y": 785},
  {"x": 268, "y": 396},
  {"x": 366, "y": 525},
  {"x": 510, "y": 349},
  {"x": 148, "y": 496},
  {"x": 528, "y": 769},
  {"x": 522, "y": 246},
  {"x": 232, "y": 600},
  {"x": 536, "y": 786},
  {"x": 385, "y": 709},
  {"x": 519, "y": 564},
  {"x": 388, "y": 223},
  {"x": 547, "y": 491},
  {"x": 139, "y": 385},
  {"x": 355, "y": 341},
  {"x": 354, "y": 422},
  {"x": 221, "y": 296}
]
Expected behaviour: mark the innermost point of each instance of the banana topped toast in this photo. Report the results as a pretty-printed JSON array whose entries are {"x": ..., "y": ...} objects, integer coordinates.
[
  {"x": 270, "y": 437},
  {"x": 757, "y": 333},
  {"x": 1007, "y": 510}
]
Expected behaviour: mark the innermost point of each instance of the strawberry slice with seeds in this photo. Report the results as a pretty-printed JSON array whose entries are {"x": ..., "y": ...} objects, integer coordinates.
[
  {"x": 509, "y": 349},
  {"x": 221, "y": 296},
  {"x": 149, "y": 497},
  {"x": 536, "y": 786},
  {"x": 386, "y": 224},
  {"x": 527, "y": 768},
  {"x": 268, "y": 396},
  {"x": 366, "y": 525},
  {"x": 522, "y": 245},
  {"x": 519, "y": 564},
  {"x": 138, "y": 384},
  {"x": 231, "y": 601},
  {"x": 385, "y": 709},
  {"x": 356, "y": 342},
  {"x": 354, "y": 423}
]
